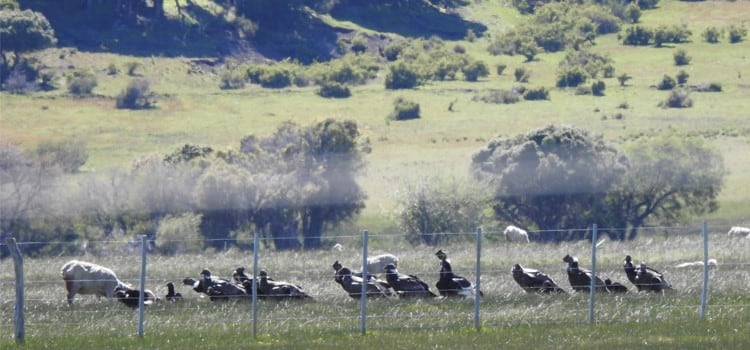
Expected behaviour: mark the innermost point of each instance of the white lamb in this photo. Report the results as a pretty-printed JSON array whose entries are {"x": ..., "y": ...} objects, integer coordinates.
[
  {"x": 88, "y": 278},
  {"x": 739, "y": 231},
  {"x": 377, "y": 264},
  {"x": 516, "y": 234}
]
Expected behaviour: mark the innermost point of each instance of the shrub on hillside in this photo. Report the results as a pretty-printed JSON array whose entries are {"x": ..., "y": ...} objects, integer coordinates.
[
  {"x": 636, "y": 35},
  {"x": 275, "y": 78},
  {"x": 712, "y": 35},
  {"x": 682, "y": 77},
  {"x": 535, "y": 94},
  {"x": 666, "y": 83},
  {"x": 681, "y": 58},
  {"x": 571, "y": 77},
  {"x": 232, "y": 79},
  {"x": 736, "y": 34},
  {"x": 472, "y": 71},
  {"x": 677, "y": 99},
  {"x": 522, "y": 75},
  {"x": 671, "y": 35},
  {"x": 333, "y": 90},
  {"x": 597, "y": 88},
  {"x": 401, "y": 76},
  {"x": 131, "y": 68},
  {"x": 392, "y": 51},
  {"x": 501, "y": 68},
  {"x": 623, "y": 78},
  {"x": 359, "y": 44},
  {"x": 404, "y": 110},
  {"x": 81, "y": 82},
  {"x": 632, "y": 13},
  {"x": 499, "y": 97},
  {"x": 137, "y": 95}
]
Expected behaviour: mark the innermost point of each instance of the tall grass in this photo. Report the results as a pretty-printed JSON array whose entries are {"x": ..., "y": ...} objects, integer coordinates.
[{"x": 510, "y": 318}]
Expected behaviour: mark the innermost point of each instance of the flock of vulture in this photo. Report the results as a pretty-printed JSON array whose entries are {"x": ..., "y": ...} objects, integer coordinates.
[
  {"x": 402, "y": 285},
  {"x": 643, "y": 277}
]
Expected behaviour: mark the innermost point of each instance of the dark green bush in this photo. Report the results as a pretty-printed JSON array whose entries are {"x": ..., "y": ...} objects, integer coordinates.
[
  {"x": 736, "y": 33},
  {"x": 671, "y": 34},
  {"x": 712, "y": 35},
  {"x": 131, "y": 68},
  {"x": 571, "y": 77},
  {"x": 359, "y": 44},
  {"x": 474, "y": 70},
  {"x": 81, "y": 83},
  {"x": 334, "y": 90},
  {"x": 682, "y": 77},
  {"x": 501, "y": 68},
  {"x": 404, "y": 110},
  {"x": 401, "y": 76},
  {"x": 632, "y": 13},
  {"x": 392, "y": 51},
  {"x": 666, "y": 83},
  {"x": 681, "y": 58},
  {"x": 677, "y": 99},
  {"x": 137, "y": 95},
  {"x": 637, "y": 36},
  {"x": 275, "y": 78},
  {"x": 522, "y": 75},
  {"x": 459, "y": 49},
  {"x": 597, "y": 88},
  {"x": 533, "y": 94}
]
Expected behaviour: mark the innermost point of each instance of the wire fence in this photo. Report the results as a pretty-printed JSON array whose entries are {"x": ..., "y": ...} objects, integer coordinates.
[{"x": 483, "y": 258}]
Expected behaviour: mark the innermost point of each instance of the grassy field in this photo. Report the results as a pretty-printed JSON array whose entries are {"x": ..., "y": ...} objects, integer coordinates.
[
  {"x": 509, "y": 317},
  {"x": 192, "y": 109}
]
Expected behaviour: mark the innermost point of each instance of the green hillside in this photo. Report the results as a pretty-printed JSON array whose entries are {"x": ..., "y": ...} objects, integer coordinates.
[{"x": 191, "y": 107}]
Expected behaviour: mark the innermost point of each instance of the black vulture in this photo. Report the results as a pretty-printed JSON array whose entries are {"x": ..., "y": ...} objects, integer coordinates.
[
  {"x": 279, "y": 289},
  {"x": 171, "y": 295},
  {"x": 129, "y": 297},
  {"x": 630, "y": 271},
  {"x": 615, "y": 287},
  {"x": 449, "y": 283},
  {"x": 353, "y": 285},
  {"x": 215, "y": 288},
  {"x": 580, "y": 279},
  {"x": 650, "y": 280},
  {"x": 534, "y": 281},
  {"x": 406, "y": 285},
  {"x": 241, "y": 278},
  {"x": 370, "y": 277}
]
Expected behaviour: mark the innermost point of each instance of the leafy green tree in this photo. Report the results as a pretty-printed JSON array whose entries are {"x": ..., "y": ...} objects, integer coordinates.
[
  {"x": 552, "y": 178},
  {"x": 69, "y": 155},
  {"x": 669, "y": 179},
  {"x": 20, "y": 32},
  {"x": 433, "y": 208}
]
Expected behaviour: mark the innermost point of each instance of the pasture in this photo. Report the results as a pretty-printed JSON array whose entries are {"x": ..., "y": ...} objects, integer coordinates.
[{"x": 509, "y": 317}]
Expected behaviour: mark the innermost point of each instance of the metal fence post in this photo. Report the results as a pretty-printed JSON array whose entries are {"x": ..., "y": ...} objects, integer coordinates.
[
  {"x": 592, "y": 289},
  {"x": 18, "y": 316},
  {"x": 478, "y": 272},
  {"x": 255, "y": 287},
  {"x": 704, "y": 293},
  {"x": 363, "y": 296},
  {"x": 143, "y": 285}
]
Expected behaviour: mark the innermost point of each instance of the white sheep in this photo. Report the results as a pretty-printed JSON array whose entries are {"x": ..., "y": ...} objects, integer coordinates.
[
  {"x": 515, "y": 234},
  {"x": 739, "y": 231},
  {"x": 712, "y": 263},
  {"x": 377, "y": 264},
  {"x": 88, "y": 278}
]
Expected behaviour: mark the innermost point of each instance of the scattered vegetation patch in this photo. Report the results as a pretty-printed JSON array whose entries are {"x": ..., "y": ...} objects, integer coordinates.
[
  {"x": 499, "y": 96},
  {"x": 404, "y": 109},
  {"x": 677, "y": 98},
  {"x": 333, "y": 90},
  {"x": 137, "y": 95}
]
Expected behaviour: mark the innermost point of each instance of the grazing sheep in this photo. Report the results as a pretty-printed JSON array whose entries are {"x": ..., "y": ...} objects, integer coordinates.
[
  {"x": 650, "y": 279},
  {"x": 88, "y": 278},
  {"x": 171, "y": 295},
  {"x": 450, "y": 284},
  {"x": 534, "y": 281},
  {"x": 580, "y": 279},
  {"x": 739, "y": 231},
  {"x": 406, "y": 285},
  {"x": 377, "y": 264},
  {"x": 515, "y": 234},
  {"x": 712, "y": 263}
]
